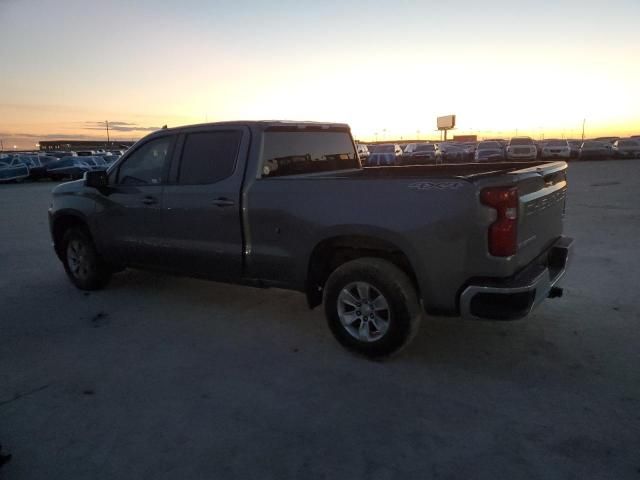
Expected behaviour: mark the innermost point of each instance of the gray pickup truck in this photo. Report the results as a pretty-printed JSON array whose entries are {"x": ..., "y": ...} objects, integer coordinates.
[{"x": 288, "y": 205}]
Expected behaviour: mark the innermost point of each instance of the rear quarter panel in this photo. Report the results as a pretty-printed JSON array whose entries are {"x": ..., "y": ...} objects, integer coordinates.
[{"x": 432, "y": 222}]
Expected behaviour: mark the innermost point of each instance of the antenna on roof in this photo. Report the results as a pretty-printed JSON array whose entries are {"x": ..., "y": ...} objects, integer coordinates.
[{"x": 164, "y": 126}]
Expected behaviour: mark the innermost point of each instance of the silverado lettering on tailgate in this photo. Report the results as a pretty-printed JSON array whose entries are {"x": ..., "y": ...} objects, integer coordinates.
[{"x": 536, "y": 206}]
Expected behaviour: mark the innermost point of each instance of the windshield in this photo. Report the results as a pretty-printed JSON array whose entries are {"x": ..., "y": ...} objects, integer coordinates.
[
  {"x": 425, "y": 148},
  {"x": 557, "y": 143},
  {"x": 521, "y": 141},
  {"x": 628, "y": 143},
  {"x": 383, "y": 149},
  {"x": 489, "y": 146}
]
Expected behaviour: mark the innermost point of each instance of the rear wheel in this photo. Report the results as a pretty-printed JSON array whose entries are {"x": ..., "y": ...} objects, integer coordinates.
[
  {"x": 83, "y": 264},
  {"x": 372, "y": 307}
]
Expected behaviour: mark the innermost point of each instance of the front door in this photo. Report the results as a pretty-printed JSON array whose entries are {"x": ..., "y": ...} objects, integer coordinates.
[
  {"x": 201, "y": 205},
  {"x": 129, "y": 211}
]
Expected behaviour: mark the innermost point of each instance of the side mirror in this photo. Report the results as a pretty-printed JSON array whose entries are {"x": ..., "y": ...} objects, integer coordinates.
[{"x": 96, "y": 179}]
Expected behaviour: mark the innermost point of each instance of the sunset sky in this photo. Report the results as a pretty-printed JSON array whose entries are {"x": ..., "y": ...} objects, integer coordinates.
[{"x": 383, "y": 67}]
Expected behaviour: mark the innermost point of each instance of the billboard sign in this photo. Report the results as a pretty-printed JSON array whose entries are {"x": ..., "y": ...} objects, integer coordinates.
[{"x": 446, "y": 122}]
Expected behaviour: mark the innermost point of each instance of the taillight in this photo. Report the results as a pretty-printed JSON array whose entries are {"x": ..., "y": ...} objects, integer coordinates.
[{"x": 503, "y": 233}]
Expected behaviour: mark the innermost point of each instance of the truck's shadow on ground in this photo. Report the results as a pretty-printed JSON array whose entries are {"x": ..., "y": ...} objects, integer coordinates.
[{"x": 478, "y": 346}]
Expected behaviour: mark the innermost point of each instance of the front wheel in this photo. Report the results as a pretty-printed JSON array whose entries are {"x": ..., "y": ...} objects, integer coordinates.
[
  {"x": 81, "y": 260},
  {"x": 372, "y": 307}
]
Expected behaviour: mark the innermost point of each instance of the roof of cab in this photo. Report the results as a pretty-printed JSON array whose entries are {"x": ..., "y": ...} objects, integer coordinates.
[{"x": 260, "y": 124}]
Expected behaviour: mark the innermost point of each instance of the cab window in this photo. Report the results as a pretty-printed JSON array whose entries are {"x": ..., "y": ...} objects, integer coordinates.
[{"x": 147, "y": 165}]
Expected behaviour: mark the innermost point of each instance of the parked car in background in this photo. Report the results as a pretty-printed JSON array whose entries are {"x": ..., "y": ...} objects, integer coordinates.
[
  {"x": 96, "y": 162},
  {"x": 420, "y": 154},
  {"x": 574, "y": 148},
  {"x": 489, "y": 151},
  {"x": 13, "y": 173},
  {"x": 469, "y": 149},
  {"x": 592, "y": 149},
  {"x": 503, "y": 143},
  {"x": 450, "y": 152},
  {"x": 610, "y": 140},
  {"x": 626, "y": 148},
  {"x": 47, "y": 159},
  {"x": 408, "y": 148},
  {"x": 521, "y": 148},
  {"x": 363, "y": 152},
  {"x": 556, "y": 149},
  {"x": 36, "y": 169},
  {"x": 62, "y": 154},
  {"x": 68, "y": 167},
  {"x": 385, "y": 154}
]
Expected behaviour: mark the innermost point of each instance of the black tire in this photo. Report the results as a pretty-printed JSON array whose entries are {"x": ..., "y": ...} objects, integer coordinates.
[
  {"x": 94, "y": 273},
  {"x": 404, "y": 312}
]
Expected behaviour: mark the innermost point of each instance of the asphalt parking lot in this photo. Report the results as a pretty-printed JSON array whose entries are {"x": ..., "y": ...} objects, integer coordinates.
[{"x": 163, "y": 377}]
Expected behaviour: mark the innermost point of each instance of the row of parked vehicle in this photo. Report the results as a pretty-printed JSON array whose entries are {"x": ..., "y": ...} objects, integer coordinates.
[
  {"x": 517, "y": 148},
  {"x": 15, "y": 167}
]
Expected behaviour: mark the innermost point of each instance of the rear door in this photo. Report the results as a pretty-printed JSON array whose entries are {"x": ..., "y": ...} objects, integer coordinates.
[{"x": 201, "y": 205}]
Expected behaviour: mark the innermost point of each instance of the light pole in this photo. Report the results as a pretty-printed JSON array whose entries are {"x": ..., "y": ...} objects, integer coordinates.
[
  {"x": 108, "y": 139},
  {"x": 584, "y": 120}
]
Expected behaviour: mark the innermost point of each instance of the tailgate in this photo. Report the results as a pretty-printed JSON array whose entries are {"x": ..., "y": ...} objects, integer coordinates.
[{"x": 542, "y": 190}]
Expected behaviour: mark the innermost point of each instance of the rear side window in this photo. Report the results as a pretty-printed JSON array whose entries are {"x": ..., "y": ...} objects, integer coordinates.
[
  {"x": 300, "y": 152},
  {"x": 208, "y": 157}
]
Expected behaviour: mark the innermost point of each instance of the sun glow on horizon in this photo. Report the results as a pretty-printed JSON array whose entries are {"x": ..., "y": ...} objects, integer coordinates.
[{"x": 498, "y": 74}]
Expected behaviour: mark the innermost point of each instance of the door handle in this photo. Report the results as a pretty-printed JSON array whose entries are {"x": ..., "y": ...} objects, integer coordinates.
[
  {"x": 149, "y": 200},
  {"x": 223, "y": 202}
]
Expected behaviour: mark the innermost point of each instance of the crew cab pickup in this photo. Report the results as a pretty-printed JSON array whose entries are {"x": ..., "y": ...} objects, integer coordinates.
[{"x": 288, "y": 205}]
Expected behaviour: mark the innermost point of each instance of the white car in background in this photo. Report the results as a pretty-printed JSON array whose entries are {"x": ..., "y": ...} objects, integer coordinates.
[
  {"x": 521, "y": 148},
  {"x": 556, "y": 149},
  {"x": 363, "y": 151},
  {"x": 626, "y": 148}
]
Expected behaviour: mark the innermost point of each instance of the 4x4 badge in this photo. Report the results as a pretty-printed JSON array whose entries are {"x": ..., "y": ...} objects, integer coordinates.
[{"x": 435, "y": 185}]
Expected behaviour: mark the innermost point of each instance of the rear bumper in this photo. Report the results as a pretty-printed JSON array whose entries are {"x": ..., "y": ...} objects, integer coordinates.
[{"x": 515, "y": 297}]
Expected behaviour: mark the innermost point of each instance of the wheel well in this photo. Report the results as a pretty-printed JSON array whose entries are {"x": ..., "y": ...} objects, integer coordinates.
[
  {"x": 331, "y": 253},
  {"x": 60, "y": 227}
]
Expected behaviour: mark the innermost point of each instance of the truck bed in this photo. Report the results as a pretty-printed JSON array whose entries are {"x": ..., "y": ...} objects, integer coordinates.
[{"x": 461, "y": 170}]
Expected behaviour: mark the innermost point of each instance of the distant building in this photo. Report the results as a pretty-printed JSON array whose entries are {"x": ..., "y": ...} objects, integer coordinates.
[
  {"x": 465, "y": 138},
  {"x": 67, "y": 145}
]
